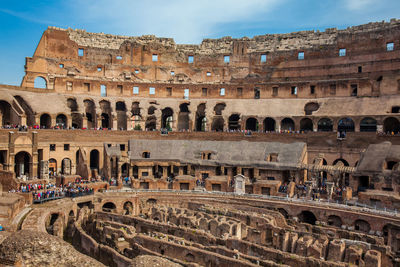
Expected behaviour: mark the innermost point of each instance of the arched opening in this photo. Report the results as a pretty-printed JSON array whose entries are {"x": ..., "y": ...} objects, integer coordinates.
[
  {"x": 52, "y": 167},
  {"x": 346, "y": 125},
  {"x": 219, "y": 108},
  {"x": 50, "y": 223},
  {"x": 368, "y": 124},
  {"x": 30, "y": 116},
  {"x": 120, "y": 108},
  {"x": 90, "y": 113},
  {"x": 7, "y": 114},
  {"x": 306, "y": 125},
  {"x": 385, "y": 232},
  {"x": 167, "y": 119},
  {"x": 201, "y": 120},
  {"x": 363, "y": 183},
  {"x": 66, "y": 166},
  {"x": 45, "y": 121},
  {"x": 125, "y": 170},
  {"x": 189, "y": 257},
  {"x": 287, "y": 124},
  {"x": 94, "y": 159},
  {"x": 391, "y": 125},
  {"x": 128, "y": 208},
  {"x": 325, "y": 125},
  {"x": 183, "y": 117},
  {"x": 76, "y": 120},
  {"x": 307, "y": 217},
  {"x": 269, "y": 125},
  {"x": 362, "y": 226},
  {"x": 61, "y": 121},
  {"x": 309, "y": 108},
  {"x": 334, "y": 220},
  {"x": 72, "y": 104},
  {"x": 106, "y": 117},
  {"x": 151, "y": 123},
  {"x": 217, "y": 124},
  {"x": 284, "y": 213},
  {"x": 151, "y": 201},
  {"x": 40, "y": 82},
  {"x": 252, "y": 124},
  {"x": 22, "y": 164},
  {"x": 109, "y": 207},
  {"x": 234, "y": 122}
]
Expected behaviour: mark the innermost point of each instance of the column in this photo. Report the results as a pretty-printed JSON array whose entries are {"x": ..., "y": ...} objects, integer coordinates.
[
  {"x": 53, "y": 121},
  {"x": 34, "y": 166},
  {"x": 1, "y": 120},
  {"x": 84, "y": 122},
  {"x": 23, "y": 120},
  {"x": 180, "y": 170},
  {"x": 99, "y": 121},
  {"x": 114, "y": 124},
  {"x": 164, "y": 172},
  {"x": 69, "y": 121}
]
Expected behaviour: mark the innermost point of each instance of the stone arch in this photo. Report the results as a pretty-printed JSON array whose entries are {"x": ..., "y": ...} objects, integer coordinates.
[
  {"x": 234, "y": 122},
  {"x": 76, "y": 116},
  {"x": 151, "y": 201},
  {"x": 30, "y": 115},
  {"x": 106, "y": 116},
  {"x": 183, "y": 117},
  {"x": 201, "y": 120},
  {"x": 287, "y": 124},
  {"x": 362, "y": 226},
  {"x": 167, "y": 118},
  {"x": 306, "y": 125},
  {"x": 45, "y": 121},
  {"x": 252, "y": 124},
  {"x": 66, "y": 166},
  {"x": 52, "y": 166},
  {"x": 128, "y": 208},
  {"x": 346, "y": 125},
  {"x": 325, "y": 125},
  {"x": 307, "y": 216},
  {"x": 109, "y": 207},
  {"x": 368, "y": 124},
  {"x": 22, "y": 164},
  {"x": 40, "y": 82},
  {"x": 62, "y": 121},
  {"x": 72, "y": 104},
  {"x": 219, "y": 108},
  {"x": 90, "y": 113},
  {"x": 8, "y": 115},
  {"x": 151, "y": 110},
  {"x": 269, "y": 125},
  {"x": 391, "y": 124},
  {"x": 309, "y": 108},
  {"x": 120, "y": 109},
  {"x": 334, "y": 220}
]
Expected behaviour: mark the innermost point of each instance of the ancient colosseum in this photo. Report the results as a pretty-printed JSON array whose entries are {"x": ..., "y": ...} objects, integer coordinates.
[{"x": 276, "y": 150}]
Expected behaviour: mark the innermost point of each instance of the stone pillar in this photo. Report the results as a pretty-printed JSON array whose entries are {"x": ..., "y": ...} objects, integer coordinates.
[
  {"x": 34, "y": 166},
  {"x": 23, "y": 120},
  {"x": 53, "y": 121},
  {"x": 129, "y": 122},
  {"x": 180, "y": 170},
  {"x": 1, "y": 120},
  {"x": 69, "y": 121},
  {"x": 164, "y": 172},
  {"x": 44, "y": 169},
  {"x": 114, "y": 124},
  {"x": 84, "y": 122},
  {"x": 98, "y": 118},
  {"x": 256, "y": 173}
]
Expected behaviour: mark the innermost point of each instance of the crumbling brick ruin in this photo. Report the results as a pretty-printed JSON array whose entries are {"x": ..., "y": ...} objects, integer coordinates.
[{"x": 281, "y": 149}]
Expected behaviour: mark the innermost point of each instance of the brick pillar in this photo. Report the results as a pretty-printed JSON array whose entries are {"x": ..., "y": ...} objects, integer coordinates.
[
  {"x": 164, "y": 171},
  {"x": 180, "y": 170},
  {"x": 84, "y": 122}
]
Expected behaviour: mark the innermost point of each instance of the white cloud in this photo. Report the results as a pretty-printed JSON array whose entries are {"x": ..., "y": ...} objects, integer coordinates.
[
  {"x": 187, "y": 21},
  {"x": 356, "y": 5}
]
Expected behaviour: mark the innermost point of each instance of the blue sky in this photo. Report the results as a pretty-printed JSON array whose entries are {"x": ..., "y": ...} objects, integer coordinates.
[{"x": 187, "y": 21}]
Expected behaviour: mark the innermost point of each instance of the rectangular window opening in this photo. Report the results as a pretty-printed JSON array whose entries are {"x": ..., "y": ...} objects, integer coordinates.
[
  {"x": 300, "y": 56},
  {"x": 186, "y": 94},
  {"x": 204, "y": 92},
  {"x": 120, "y": 89},
  {"x": 154, "y": 57},
  {"x": 208, "y": 73},
  {"x": 122, "y": 147},
  {"x": 118, "y": 57},
  {"x": 222, "y": 92},
  {"x": 239, "y": 91},
  {"x": 66, "y": 147},
  {"x": 103, "y": 90},
  {"x": 69, "y": 86},
  {"x": 227, "y": 59},
  {"x": 294, "y": 90},
  {"x": 354, "y": 89},
  {"x": 256, "y": 93},
  {"x": 135, "y": 90},
  {"x": 359, "y": 69},
  {"x": 61, "y": 66},
  {"x": 333, "y": 89},
  {"x": 263, "y": 58},
  {"x": 52, "y": 147},
  {"x": 312, "y": 89},
  {"x": 190, "y": 59},
  {"x": 389, "y": 46},
  {"x": 172, "y": 73},
  {"x": 87, "y": 86},
  {"x": 169, "y": 91},
  {"x": 99, "y": 69},
  {"x": 81, "y": 52},
  {"x": 152, "y": 90},
  {"x": 136, "y": 71},
  {"x": 342, "y": 52},
  {"x": 275, "y": 91}
]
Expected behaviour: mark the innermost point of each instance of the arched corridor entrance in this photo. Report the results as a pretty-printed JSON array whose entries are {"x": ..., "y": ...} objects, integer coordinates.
[
  {"x": 167, "y": 119},
  {"x": 287, "y": 124},
  {"x": 252, "y": 124},
  {"x": 306, "y": 125},
  {"x": 325, "y": 125},
  {"x": 307, "y": 217},
  {"x": 269, "y": 125},
  {"x": 391, "y": 125},
  {"x": 45, "y": 121},
  {"x": 234, "y": 123},
  {"x": 22, "y": 164},
  {"x": 61, "y": 121}
]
